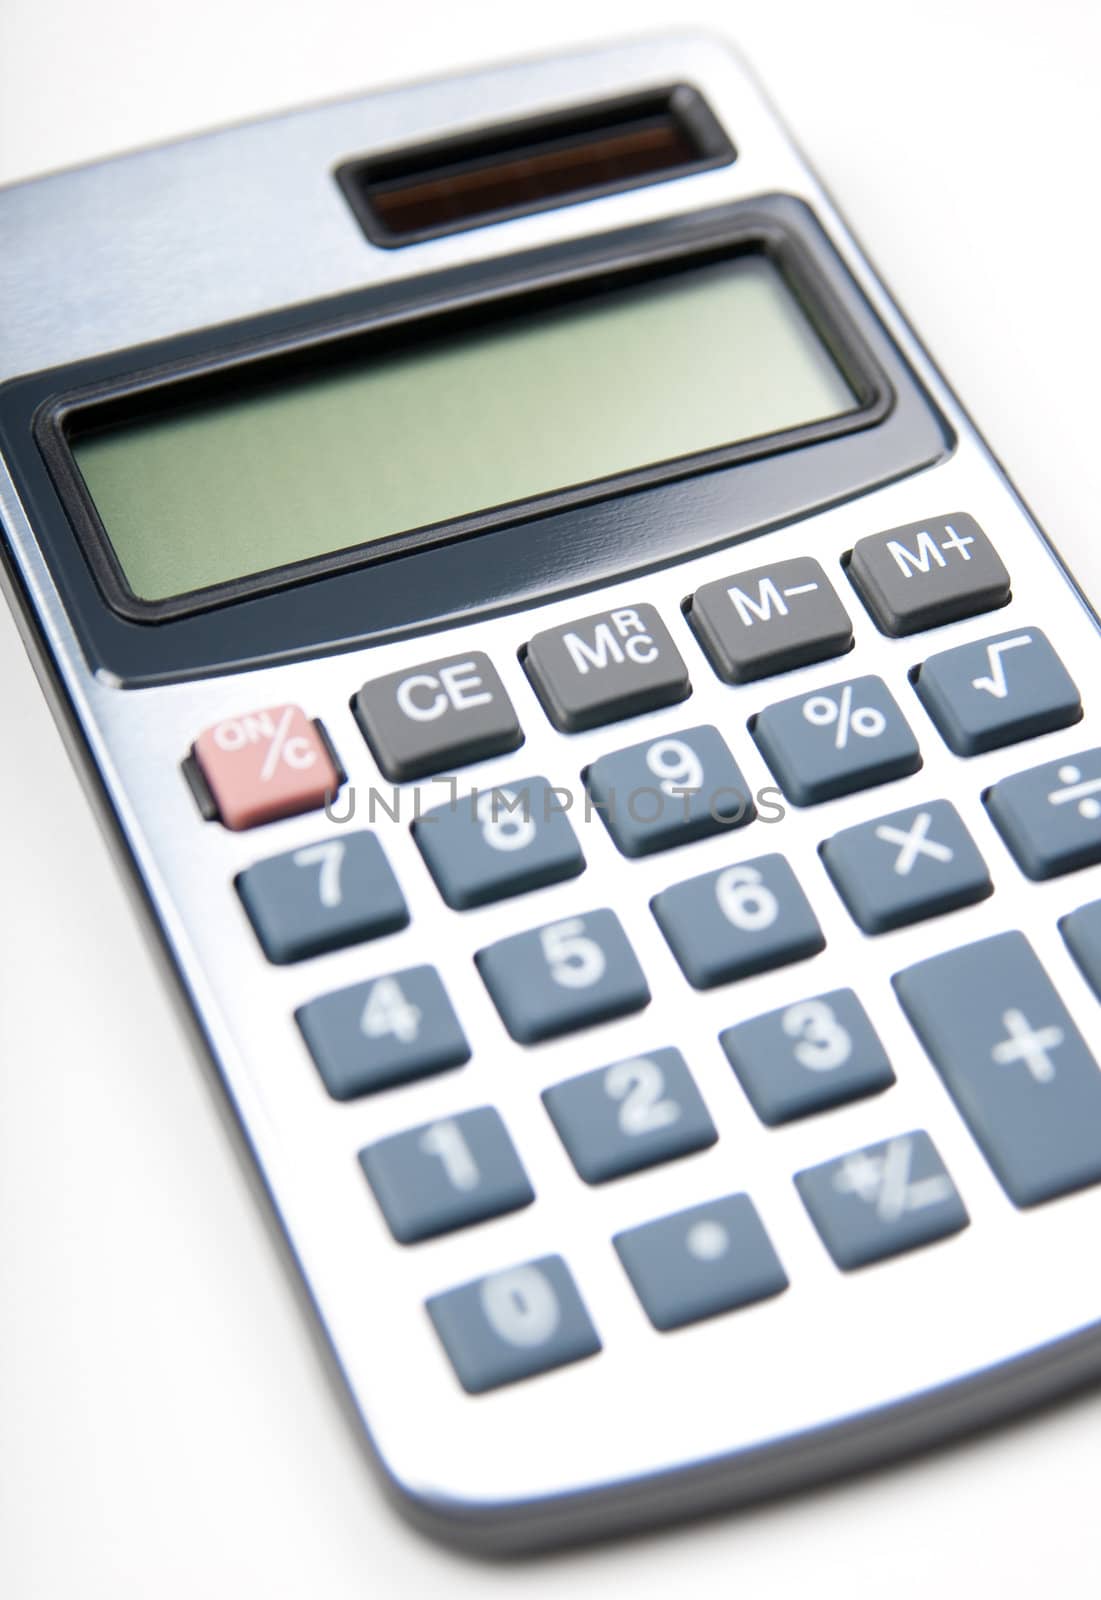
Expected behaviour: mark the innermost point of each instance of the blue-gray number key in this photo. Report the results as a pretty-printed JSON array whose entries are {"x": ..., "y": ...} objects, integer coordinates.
[
  {"x": 999, "y": 690},
  {"x": 563, "y": 976},
  {"x": 1014, "y": 1062},
  {"x": 669, "y": 791},
  {"x": 1050, "y": 817},
  {"x": 513, "y": 1324},
  {"x": 738, "y": 921},
  {"x": 336, "y": 892},
  {"x": 630, "y": 1115},
  {"x": 446, "y": 1175},
  {"x": 698, "y": 1263},
  {"x": 807, "y": 1057},
  {"x": 847, "y": 737},
  {"x": 882, "y": 1200},
  {"x": 387, "y": 1031},
  {"x": 498, "y": 842}
]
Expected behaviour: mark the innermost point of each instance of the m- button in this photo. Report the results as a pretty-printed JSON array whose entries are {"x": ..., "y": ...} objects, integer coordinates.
[
  {"x": 612, "y": 665},
  {"x": 770, "y": 620},
  {"x": 928, "y": 573},
  {"x": 443, "y": 714}
]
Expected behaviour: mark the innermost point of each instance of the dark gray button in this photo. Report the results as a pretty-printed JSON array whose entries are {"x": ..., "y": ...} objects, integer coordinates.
[
  {"x": 383, "y": 1032},
  {"x": 808, "y": 1057},
  {"x": 928, "y": 573},
  {"x": 669, "y": 791},
  {"x": 443, "y": 714},
  {"x": 738, "y": 921},
  {"x": 630, "y": 1115},
  {"x": 1050, "y": 816},
  {"x": 336, "y": 892},
  {"x": 770, "y": 620},
  {"x": 907, "y": 866},
  {"x": 701, "y": 1262},
  {"x": 513, "y": 1324},
  {"x": 882, "y": 1200},
  {"x": 847, "y": 737},
  {"x": 1013, "y": 1061},
  {"x": 611, "y": 665},
  {"x": 498, "y": 842},
  {"x": 1082, "y": 931},
  {"x": 997, "y": 691},
  {"x": 564, "y": 976},
  {"x": 446, "y": 1175}
]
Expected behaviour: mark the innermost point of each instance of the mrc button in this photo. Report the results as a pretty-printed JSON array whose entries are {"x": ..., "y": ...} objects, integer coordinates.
[
  {"x": 442, "y": 714},
  {"x": 770, "y": 620},
  {"x": 612, "y": 665},
  {"x": 928, "y": 573}
]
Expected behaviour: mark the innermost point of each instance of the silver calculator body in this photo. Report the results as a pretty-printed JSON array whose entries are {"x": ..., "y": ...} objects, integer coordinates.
[{"x": 180, "y": 264}]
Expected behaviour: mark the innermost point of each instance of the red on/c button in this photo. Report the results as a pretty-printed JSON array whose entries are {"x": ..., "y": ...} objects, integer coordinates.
[{"x": 265, "y": 765}]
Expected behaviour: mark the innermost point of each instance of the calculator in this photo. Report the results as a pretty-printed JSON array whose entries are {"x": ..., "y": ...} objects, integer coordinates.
[{"x": 611, "y": 763}]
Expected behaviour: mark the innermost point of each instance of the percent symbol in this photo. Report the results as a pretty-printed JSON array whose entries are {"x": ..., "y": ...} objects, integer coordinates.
[
  {"x": 1082, "y": 795},
  {"x": 823, "y": 712}
]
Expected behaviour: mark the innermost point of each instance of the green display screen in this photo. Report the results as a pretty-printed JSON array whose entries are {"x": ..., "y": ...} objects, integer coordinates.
[{"x": 537, "y": 401}]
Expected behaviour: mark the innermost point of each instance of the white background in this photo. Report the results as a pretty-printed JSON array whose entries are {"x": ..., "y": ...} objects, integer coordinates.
[{"x": 166, "y": 1429}]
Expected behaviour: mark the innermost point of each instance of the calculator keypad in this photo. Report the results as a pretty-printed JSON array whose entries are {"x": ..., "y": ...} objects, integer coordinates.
[
  {"x": 698, "y": 1263},
  {"x": 1014, "y": 1062},
  {"x": 901, "y": 868},
  {"x": 1050, "y": 816},
  {"x": 498, "y": 842},
  {"x": 770, "y": 620},
  {"x": 882, "y": 1200},
  {"x": 808, "y": 1056},
  {"x": 741, "y": 920},
  {"x": 564, "y": 976},
  {"x": 604, "y": 667},
  {"x": 669, "y": 791},
  {"x": 384, "y": 1032},
  {"x": 847, "y": 737},
  {"x": 443, "y": 714},
  {"x": 1009, "y": 687},
  {"x": 513, "y": 1324},
  {"x": 338, "y": 891},
  {"x": 446, "y": 1175},
  {"x": 928, "y": 573},
  {"x": 630, "y": 1115}
]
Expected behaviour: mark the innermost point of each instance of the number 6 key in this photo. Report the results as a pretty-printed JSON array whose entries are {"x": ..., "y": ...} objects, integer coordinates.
[{"x": 738, "y": 921}]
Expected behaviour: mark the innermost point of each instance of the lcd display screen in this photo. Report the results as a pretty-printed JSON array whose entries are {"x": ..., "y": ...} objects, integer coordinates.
[{"x": 437, "y": 427}]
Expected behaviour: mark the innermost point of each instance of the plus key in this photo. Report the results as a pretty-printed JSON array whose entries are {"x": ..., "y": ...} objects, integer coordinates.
[{"x": 265, "y": 765}]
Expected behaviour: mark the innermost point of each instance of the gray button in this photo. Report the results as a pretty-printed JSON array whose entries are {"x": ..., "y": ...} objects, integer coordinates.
[
  {"x": 1050, "y": 816},
  {"x": 498, "y": 842},
  {"x": 770, "y": 620},
  {"x": 907, "y": 866},
  {"x": 387, "y": 1031},
  {"x": 563, "y": 976},
  {"x": 928, "y": 573},
  {"x": 1082, "y": 931},
  {"x": 669, "y": 791},
  {"x": 808, "y": 1057},
  {"x": 446, "y": 1175},
  {"x": 997, "y": 691},
  {"x": 1014, "y": 1062},
  {"x": 442, "y": 714},
  {"x": 836, "y": 740},
  {"x": 738, "y": 921},
  {"x": 513, "y": 1324},
  {"x": 701, "y": 1262},
  {"x": 632, "y": 1114},
  {"x": 882, "y": 1200},
  {"x": 604, "y": 667},
  {"x": 336, "y": 892}
]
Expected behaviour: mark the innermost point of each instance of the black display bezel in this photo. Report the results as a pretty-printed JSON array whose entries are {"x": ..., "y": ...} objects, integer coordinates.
[{"x": 240, "y": 624}]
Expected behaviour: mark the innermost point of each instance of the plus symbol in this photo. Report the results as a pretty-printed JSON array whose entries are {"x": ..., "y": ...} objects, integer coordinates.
[
  {"x": 956, "y": 543},
  {"x": 1031, "y": 1045}
]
